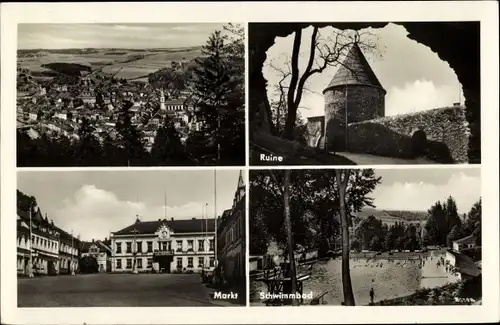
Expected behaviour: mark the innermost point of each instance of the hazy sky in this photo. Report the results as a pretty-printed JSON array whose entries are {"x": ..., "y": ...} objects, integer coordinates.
[
  {"x": 413, "y": 76},
  {"x": 59, "y": 36},
  {"x": 418, "y": 189},
  {"x": 93, "y": 203}
]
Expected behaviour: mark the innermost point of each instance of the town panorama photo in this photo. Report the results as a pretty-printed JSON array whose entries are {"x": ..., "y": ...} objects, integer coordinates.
[{"x": 130, "y": 95}]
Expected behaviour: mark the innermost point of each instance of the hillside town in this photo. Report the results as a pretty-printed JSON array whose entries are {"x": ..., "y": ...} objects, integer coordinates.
[
  {"x": 57, "y": 107},
  {"x": 140, "y": 106}
]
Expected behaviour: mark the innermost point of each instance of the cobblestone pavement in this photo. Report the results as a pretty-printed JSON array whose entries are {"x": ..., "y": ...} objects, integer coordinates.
[{"x": 116, "y": 290}]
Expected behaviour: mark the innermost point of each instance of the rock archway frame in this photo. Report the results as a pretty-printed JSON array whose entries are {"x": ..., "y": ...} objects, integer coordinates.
[{"x": 457, "y": 43}]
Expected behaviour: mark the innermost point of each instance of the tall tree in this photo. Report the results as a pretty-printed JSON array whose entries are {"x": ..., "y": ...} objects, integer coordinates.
[
  {"x": 473, "y": 222},
  {"x": 89, "y": 151},
  {"x": 323, "y": 53},
  {"x": 168, "y": 148},
  {"x": 437, "y": 224},
  {"x": 217, "y": 88},
  {"x": 342, "y": 177},
  {"x": 452, "y": 216},
  {"x": 130, "y": 138}
]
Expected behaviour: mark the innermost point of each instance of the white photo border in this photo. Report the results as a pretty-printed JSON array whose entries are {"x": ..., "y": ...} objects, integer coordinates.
[{"x": 484, "y": 11}]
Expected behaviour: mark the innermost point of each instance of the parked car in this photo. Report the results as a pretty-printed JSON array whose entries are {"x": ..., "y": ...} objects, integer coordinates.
[{"x": 207, "y": 274}]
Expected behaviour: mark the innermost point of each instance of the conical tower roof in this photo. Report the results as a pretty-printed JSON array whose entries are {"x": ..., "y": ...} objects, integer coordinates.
[{"x": 354, "y": 70}]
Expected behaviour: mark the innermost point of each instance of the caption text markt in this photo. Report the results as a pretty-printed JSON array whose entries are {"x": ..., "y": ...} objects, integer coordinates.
[{"x": 226, "y": 295}]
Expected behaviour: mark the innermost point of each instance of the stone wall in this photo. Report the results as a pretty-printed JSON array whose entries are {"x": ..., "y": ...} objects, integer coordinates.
[
  {"x": 446, "y": 132},
  {"x": 363, "y": 103}
]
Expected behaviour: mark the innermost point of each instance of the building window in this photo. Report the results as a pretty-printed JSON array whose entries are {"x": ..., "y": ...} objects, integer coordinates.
[
  {"x": 164, "y": 246},
  {"x": 212, "y": 261},
  {"x": 139, "y": 263},
  {"x": 212, "y": 244},
  {"x": 139, "y": 247},
  {"x": 150, "y": 246},
  {"x": 129, "y": 247},
  {"x": 201, "y": 261},
  {"x": 179, "y": 245},
  {"x": 190, "y": 262},
  {"x": 179, "y": 262},
  {"x": 201, "y": 245},
  {"x": 129, "y": 263},
  {"x": 190, "y": 245},
  {"x": 118, "y": 263},
  {"x": 150, "y": 263}
]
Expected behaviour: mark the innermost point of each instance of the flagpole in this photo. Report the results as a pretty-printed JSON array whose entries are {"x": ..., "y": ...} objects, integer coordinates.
[
  {"x": 72, "y": 248},
  {"x": 30, "y": 268},
  {"x": 215, "y": 217},
  {"x": 206, "y": 222}
]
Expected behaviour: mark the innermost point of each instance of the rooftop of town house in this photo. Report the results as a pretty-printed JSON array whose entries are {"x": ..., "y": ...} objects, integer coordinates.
[
  {"x": 174, "y": 102},
  {"x": 38, "y": 218},
  {"x": 471, "y": 239},
  {"x": 193, "y": 225},
  {"x": 465, "y": 264}
]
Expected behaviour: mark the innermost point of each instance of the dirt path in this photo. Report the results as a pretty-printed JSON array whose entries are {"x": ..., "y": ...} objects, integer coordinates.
[{"x": 367, "y": 159}]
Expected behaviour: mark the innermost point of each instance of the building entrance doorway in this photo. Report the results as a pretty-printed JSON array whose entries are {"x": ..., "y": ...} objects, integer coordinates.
[{"x": 164, "y": 263}]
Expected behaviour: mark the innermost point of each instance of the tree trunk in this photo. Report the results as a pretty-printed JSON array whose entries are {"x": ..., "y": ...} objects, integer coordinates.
[
  {"x": 346, "y": 275},
  {"x": 288, "y": 225},
  {"x": 291, "y": 106}
]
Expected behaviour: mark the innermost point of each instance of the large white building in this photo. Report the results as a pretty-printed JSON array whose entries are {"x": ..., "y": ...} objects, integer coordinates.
[
  {"x": 51, "y": 250},
  {"x": 164, "y": 246}
]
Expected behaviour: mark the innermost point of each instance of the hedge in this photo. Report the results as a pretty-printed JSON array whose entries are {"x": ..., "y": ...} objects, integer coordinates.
[{"x": 401, "y": 136}]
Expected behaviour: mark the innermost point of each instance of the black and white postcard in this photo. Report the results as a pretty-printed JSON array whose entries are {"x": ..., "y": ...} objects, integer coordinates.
[
  {"x": 130, "y": 94},
  {"x": 131, "y": 239},
  {"x": 383, "y": 237},
  {"x": 160, "y": 160},
  {"x": 364, "y": 93}
]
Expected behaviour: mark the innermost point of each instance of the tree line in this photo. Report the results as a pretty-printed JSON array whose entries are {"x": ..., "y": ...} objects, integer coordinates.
[
  {"x": 442, "y": 226},
  {"x": 314, "y": 207},
  {"x": 217, "y": 87},
  {"x": 374, "y": 235}
]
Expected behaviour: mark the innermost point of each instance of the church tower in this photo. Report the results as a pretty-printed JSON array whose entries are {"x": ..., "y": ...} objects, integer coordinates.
[
  {"x": 162, "y": 100},
  {"x": 353, "y": 95},
  {"x": 240, "y": 190}
]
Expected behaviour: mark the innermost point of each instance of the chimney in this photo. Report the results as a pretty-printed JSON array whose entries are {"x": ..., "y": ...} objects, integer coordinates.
[
  {"x": 92, "y": 240},
  {"x": 172, "y": 219},
  {"x": 105, "y": 238},
  {"x": 456, "y": 104},
  {"x": 193, "y": 218},
  {"x": 159, "y": 219}
]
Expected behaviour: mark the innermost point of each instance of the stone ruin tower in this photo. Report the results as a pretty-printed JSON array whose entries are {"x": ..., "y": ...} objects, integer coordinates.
[{"x": 355, "y": 89}]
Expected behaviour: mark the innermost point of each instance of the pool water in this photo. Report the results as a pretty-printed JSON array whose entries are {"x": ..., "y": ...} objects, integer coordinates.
[{"x": 388, "y": 278}]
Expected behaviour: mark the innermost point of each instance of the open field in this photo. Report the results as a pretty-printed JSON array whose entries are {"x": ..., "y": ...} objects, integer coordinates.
[
  {"x": 389, "y": 217},
  {"x": 113, "y": 60}
]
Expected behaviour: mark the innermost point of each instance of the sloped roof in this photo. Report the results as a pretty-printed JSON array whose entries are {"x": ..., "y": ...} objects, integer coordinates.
[
  {"x": 174, "y": 102},
  {"x": 177, "y": 226},
  {"x": 241, "y": 183},
  {"x": 466, "y": 240},
  {"x": 354, "y": 70},
  {"x": 465, "y": 264}
]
